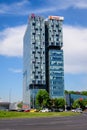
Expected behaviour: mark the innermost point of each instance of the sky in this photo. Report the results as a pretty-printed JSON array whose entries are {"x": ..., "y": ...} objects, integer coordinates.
[{"x": 13, "y": 22}]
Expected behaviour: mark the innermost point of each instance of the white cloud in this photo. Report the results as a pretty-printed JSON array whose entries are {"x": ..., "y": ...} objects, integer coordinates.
[
  {"x": 15, "y": 70},
  {"x": 82, "y": 4},
  {"x": 75, "y": 49},
  {"x": 75, "y": 46},
  {"x": 15, "y": 8},
  {"x": 11, "y": 41},
  {"x": 64, "y": 4},
  {"x": 26, "y": 7}
]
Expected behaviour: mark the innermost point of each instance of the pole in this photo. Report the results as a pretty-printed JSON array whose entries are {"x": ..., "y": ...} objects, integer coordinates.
[{"x": 33, "y": 96}]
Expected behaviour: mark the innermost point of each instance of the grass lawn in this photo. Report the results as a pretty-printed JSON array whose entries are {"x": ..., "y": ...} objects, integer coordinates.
[{"x": 10, "y": 114}]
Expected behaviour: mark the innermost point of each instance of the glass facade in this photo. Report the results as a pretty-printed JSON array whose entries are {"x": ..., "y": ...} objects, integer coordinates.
[
  {"x": 55, "y": 57},
  {"x": 55, "y": 32},
  {"x": 78, "y": 96},
  {"x": 34, "y": 58},
  {"x": 43, "y": 66},
  {"x": 37, "y": 50},
  {"x": 70, "y": 98},
  {"x": 56, "y": 73}
]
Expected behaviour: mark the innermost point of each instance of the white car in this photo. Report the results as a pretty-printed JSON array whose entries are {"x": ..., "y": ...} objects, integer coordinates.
[
  {"x": 77, "y": 110},
  {"x": 73, "y": 110},
  {"x": 45, "y": 110}
]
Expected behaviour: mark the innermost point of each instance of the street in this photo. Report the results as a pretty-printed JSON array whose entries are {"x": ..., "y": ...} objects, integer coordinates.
[{"x": 55, "y": 123}]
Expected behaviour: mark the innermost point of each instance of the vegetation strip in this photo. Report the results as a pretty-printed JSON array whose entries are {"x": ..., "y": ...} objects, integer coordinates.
[{"x": 5, "y": 114}]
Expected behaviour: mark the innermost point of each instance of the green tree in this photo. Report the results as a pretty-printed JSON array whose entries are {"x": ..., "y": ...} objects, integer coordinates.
[
  {"x": 85, "y": 102},
  {"x": 75, "y": 104},
  {"x": 66, "y": 92},
  {"x": 84, "y": 93},
  {"x": 79, "y": 103},
  {"x": 42, "y": 99},
  {"x": 20, "y": 104},
  {"x": 58, "y": 103}
]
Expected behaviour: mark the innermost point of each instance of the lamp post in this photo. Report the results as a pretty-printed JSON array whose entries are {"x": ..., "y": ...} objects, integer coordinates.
[
  {"x": 33, "y": 96},
  {"x": 65, "y": 104}
]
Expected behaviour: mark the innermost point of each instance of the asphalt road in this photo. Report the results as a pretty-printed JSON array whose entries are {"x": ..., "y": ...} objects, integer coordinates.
[{"x": 55, "y": 123}]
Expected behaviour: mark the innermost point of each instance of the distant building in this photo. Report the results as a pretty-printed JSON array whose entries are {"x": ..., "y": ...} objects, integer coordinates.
[
  {"x": 4, "y": 105},
  {"x": 13, "y": 106},
  {"x": 70, "y": 98},
  {"x": 43, "y": 63}
]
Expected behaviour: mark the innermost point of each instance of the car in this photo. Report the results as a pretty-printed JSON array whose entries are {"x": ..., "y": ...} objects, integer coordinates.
[
  {"x": 20, "y": 110},
  {"x": 60, "y": 110},
  {"x": 26, "y": 110},
  {"x": 33, "y": 110},
  {"x": 45, "y": 110},
  {"x": 57, "y": 110},
  {"x": 73, "y": 110},
  {"x": 77, "y": 110}
]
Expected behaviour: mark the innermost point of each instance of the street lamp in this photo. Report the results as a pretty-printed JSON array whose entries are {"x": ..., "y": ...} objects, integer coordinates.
[{"x": 33, "y": 96}]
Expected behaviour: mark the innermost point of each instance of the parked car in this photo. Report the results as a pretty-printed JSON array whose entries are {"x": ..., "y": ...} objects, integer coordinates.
[
  {"x": 20, "y": 110},
  {"x": 45, "y": 110},
  {"x": 26, "y": 110},
  {"x": 33, "y": 110},
  {"x": 57, "y": 110},
  {"x": 73, "y": 110},
  {"x": 60, "y": 110},
  {"x": 77, "y": 110}
]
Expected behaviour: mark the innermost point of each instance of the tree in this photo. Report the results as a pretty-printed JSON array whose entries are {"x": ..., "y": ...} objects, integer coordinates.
[
  {"x": 20, "y": 104},
  {"x": 85, "y": 102},
  {"x": 66, "y": 92},
  {"x": 42, "y": 98},
  {"x": 58, "y": 103},
  {"x": 75, "y": 104},
  {"x": 84, "y": 93},
  {"x": 80, "y": 103}
]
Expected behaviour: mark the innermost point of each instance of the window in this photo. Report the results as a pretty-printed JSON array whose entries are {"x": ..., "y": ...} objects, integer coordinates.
[
  {"x": 60, "y": 30},
  {"x": 52, "y": 43},
  {"x": 52, "y": 25},
  {"x": 57, "y": 35},
  {"x": 33, "y": 24},
  {"x": 36, "y": 67},
  {"x": 33, "y": 81},
  {"x": 36, "y": 47},
  {"x": 54, "y": 87},
  {"x": 36, "y": 29},
  {"x": 33, "y": 42},
  {"x": 36, "y": 77},
  {"x": 33, "y": 52},
  {"x": 33, "y": 33},
  {"x": 39, "y": 82}
]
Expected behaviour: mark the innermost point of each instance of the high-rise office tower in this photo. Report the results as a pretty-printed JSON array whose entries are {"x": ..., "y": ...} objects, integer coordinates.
[
  {"x": 34, "y": 76},
  {"x": 43, "y": 66},
  {"x": 55, "y": 62}
]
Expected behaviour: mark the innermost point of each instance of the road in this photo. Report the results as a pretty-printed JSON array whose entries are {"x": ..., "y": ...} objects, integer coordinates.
[{"x": 55, "y": 123}]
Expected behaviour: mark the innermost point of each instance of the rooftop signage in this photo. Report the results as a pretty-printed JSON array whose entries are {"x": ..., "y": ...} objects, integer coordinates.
[
  {"x": 56, "y": 17},
  {"x": 32, "y": 15}
]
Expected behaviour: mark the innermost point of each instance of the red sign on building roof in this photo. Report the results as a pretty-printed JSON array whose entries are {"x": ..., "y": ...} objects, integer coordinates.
[{"x": 32, "y": 15}]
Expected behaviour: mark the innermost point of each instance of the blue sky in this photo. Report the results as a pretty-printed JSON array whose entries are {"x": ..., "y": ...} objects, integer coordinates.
[{"x": 13, "y": 21}]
